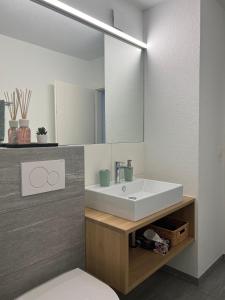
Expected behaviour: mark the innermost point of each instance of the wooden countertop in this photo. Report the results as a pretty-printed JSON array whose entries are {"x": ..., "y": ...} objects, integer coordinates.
[{"x": 129, "y": 226}]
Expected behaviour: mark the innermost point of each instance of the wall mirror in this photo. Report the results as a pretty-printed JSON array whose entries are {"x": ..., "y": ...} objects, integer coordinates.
[{"x": 87, "y": 87}]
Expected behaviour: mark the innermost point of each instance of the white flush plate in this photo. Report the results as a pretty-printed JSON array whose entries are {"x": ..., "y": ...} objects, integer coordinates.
[{"x": 42, "y": 176}]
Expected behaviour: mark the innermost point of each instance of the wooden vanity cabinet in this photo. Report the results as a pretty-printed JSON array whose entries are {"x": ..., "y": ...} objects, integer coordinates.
[{"x": 109, "y": 257}]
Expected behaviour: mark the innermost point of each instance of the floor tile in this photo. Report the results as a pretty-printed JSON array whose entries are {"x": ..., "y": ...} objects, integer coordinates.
[
  {"x": 166, "y": 286},
  {"x": 214, "y": 283}
]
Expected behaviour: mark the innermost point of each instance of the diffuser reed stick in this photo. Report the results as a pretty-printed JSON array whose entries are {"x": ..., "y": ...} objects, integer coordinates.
[
  {"x": 24, "y": 101},
  {"x": 13, "y": 105}
]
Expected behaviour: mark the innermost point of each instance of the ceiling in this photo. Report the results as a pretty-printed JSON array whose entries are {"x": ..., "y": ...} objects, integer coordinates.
[
  {"x": 144, "y": 4},
  {"x": 35, "y": 24}
]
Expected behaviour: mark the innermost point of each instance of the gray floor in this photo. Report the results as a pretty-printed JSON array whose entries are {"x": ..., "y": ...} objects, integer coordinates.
[{"x": 165, "y": 286}]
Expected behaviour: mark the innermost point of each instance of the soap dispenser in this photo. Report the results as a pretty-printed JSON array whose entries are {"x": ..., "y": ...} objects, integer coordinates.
[{"x": 128, "y": 171}]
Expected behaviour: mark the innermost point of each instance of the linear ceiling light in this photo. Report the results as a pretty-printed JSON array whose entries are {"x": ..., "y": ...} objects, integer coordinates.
[{"x": 73, "y": 13}]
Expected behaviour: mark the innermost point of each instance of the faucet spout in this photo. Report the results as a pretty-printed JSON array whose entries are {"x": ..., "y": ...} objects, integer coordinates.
[{"x": 118, "y": 167}]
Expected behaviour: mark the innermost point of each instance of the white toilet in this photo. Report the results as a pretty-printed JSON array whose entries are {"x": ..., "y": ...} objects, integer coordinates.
[{"x": 73, "y": 285}]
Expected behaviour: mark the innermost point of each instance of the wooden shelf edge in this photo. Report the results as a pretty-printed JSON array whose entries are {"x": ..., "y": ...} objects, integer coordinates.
[
  {"x": 127, "y": 226},
  {"x": 164, "y": 260}
]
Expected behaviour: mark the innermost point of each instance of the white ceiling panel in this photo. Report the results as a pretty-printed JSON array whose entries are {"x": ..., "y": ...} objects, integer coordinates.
[{"x": 145, "y": 4}]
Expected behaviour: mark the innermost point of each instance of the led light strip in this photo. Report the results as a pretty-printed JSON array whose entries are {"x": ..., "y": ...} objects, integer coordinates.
[{"x": 73, "y": 13}]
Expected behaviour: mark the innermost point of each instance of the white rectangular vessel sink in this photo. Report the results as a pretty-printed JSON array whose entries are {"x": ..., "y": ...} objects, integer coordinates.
[{"x": 134, "y": 200}]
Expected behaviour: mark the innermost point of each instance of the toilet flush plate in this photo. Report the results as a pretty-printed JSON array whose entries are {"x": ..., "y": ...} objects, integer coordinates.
[{"x": 42, "y": 176}]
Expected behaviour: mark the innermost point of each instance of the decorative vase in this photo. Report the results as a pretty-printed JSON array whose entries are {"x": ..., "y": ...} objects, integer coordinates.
[
  {"x": 24, "y": 132},
  {"x": 42, "y": 139},
  {"x": 13, "y": 132}
]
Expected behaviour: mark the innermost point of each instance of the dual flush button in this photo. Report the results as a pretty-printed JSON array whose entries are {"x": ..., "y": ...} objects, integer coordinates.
[{"x": 42, "y": 176}]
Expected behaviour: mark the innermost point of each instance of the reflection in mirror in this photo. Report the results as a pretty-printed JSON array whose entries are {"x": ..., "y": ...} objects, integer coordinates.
[
  {"x": 62, "y": 61},
  {"x": 41, "y": 47},
  {"x": 123, "y": 92},
  {"x": 81, "y": 110}
]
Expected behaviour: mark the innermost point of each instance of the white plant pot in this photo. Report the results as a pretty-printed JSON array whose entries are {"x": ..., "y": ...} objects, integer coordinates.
[{"x": 42, "y": 139}]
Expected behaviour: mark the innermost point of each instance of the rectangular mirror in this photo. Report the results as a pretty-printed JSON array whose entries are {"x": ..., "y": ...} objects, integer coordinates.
[
  {"x": 87, "y": 87},
  {"x": 123, "y": 92}
]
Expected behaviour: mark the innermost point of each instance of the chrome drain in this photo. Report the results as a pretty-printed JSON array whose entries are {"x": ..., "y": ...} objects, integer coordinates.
[{"x": 124, "y": 188}]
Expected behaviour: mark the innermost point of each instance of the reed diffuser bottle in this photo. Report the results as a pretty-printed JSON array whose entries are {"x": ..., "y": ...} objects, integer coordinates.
[
  {"x": 24, "y": 132},
  {"x": 13, "y": 106}
]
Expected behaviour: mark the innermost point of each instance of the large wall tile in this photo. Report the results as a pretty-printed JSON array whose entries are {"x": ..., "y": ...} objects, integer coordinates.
[
  {"x": 97, "y": 157},
  {"x": 42, "y": 235}
]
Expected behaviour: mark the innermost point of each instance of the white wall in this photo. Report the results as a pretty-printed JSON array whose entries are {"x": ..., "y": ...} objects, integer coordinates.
[
  {"x": 99, "y": 157},
  {"x": 25, "y": 65},
  {"x": 212, "y": 115},
  {"x": 102, "y": 9},
  {"x": 172, "y": 30}
]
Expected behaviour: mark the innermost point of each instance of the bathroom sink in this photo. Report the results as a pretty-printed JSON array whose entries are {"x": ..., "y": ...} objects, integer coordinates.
[{"x": 134, "y": 200}]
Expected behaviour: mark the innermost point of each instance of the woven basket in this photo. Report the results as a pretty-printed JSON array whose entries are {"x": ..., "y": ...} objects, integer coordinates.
[{"x": 171, "y": 229}]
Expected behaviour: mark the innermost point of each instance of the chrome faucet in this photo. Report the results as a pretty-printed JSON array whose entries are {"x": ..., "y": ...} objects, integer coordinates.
[{"x": 118, "y": 167}]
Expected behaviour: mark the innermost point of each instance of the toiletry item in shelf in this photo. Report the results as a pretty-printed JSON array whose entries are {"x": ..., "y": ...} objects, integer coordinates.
[
  {"x": 104, "y": 176},
  {"x": 162, "y": 248},
  {"x": 151, "y": 235},
  {"x": 128, "y": 171},
  {"x": 146, "y": 239},
  {"x": 150, "y": 240},
  {"x": 142, "y": 242}
]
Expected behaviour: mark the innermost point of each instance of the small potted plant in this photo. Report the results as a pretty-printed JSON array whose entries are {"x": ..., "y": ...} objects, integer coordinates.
[{"x": 42, "y": 136}]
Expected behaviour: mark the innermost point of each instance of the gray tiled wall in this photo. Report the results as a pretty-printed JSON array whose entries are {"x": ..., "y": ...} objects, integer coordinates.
[{"x": 41, "y": 236}]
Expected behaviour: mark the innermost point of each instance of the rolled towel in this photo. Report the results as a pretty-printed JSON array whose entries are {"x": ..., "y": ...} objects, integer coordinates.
[
  {"x": 2, "y": 120},
  {"x": 162, "y": 248}
]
